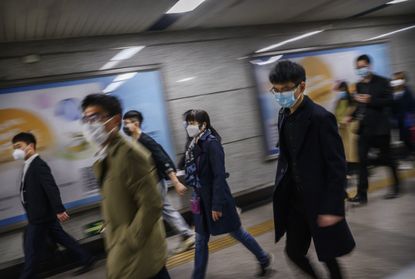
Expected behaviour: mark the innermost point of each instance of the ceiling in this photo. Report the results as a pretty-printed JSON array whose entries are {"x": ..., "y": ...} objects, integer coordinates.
[{"x": 26, "y": 20}]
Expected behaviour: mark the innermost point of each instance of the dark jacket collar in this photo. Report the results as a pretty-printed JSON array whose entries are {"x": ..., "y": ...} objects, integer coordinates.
[{"x": 205, "y": 135}]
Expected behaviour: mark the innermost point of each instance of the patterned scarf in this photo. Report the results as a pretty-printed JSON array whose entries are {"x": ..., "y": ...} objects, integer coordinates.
[{"x": 190, "y": 165}]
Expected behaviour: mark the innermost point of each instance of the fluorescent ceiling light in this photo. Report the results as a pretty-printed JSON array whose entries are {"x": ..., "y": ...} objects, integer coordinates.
[
  {"x": 112, "y": 86},
  {"x": 396, "y": 2},
  {"x": 184, "y": 6},
  {"x": 124, "y": 76},
  {"x": 289, "y": 41},
  {"x": 242, "y": 58},
  {"x": 185, "y": 79},
  {"x": 109, "y": 65},
  {"x": 391, "y": 33},
  {"x": 270, "y": 60},
  {"x": 126, "y": 53}
]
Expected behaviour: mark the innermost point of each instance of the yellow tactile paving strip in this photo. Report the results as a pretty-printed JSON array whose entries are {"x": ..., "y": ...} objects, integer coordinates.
[{"x": 259, "y": 229}]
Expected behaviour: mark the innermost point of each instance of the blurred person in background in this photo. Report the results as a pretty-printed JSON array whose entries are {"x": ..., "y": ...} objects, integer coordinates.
[
  {"x": 344, "y": 107},
  {"x": 212, "y": 204},
  {"x": 165, "y": 170},
  {"x": 374, "y": 99},
  {"x": 309, "y": 196},
  {"x": 131, "y": 204},
  {"x": 41, "y": 200},
  {"x": 404, "y": 112}
]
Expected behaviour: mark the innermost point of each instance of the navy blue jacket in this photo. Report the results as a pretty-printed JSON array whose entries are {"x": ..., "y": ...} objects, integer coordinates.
[
  {"x": 321, "y": 173},
  {"x": 214, "y": 193}
]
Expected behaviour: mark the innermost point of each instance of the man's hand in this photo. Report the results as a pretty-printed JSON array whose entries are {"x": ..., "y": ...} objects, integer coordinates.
[
  {"x": 216, "y": 215},
  {"x": 363, "y": 98},
  {"x": 180, "y": 188},
  {"x": 328, "y": 220},
  {"x": 62, "y": 217}
]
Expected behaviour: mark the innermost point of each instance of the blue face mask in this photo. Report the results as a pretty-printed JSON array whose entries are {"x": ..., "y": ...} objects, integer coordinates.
[
  {"x": 363, "y": 72},
  {"x": 286, "y": 99},
  {"x": 342, "y": 95}
]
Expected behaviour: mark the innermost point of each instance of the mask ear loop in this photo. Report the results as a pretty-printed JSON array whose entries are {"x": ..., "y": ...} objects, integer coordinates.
[{"x": 24, "y": 149}]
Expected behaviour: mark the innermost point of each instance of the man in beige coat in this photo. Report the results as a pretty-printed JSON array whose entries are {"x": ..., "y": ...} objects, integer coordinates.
[{"x": 131, "y": 204}]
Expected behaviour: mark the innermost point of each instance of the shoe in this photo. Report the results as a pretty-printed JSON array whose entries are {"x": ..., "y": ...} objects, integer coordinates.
[
  {"x": 391, "y": 195},
  {"x": 86, "y": 267},
  {"x": 186, "y": 244},
  {"x": 265, "y": 269},
  {"x": 358, "y": 199}
]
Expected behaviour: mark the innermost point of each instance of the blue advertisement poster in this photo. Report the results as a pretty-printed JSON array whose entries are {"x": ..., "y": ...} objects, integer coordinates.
[
  {"x": 324, "y": 69},
  {"x": 51, "y": 111}
]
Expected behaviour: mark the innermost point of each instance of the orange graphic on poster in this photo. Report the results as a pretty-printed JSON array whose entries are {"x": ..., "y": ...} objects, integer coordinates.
[
  {"x": 319, "y": 79},
  {"x": 14, "y": 121}
]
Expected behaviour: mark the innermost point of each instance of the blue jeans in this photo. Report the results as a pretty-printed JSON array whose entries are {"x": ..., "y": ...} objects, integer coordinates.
[{"x": 202, "y": 250}]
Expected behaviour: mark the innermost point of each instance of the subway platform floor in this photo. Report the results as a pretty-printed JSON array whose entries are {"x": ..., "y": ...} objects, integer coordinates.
[{"x": 384, "y": 231}]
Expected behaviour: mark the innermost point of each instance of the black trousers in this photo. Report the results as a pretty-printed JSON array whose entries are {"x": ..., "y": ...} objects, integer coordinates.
[
  {"x": 35, "y": 241},
  {"x": 298, "y": 242},
  {"x": 163, "y": 274},
  {"x": 365, "y": 143}
]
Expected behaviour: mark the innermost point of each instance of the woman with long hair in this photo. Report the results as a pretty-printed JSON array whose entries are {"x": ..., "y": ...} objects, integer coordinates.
[{"x": 212, "y": 204}]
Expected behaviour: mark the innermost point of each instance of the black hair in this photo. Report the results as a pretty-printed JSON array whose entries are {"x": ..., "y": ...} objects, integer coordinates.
[
  {"x": 110, "y": 104},
  {"x": 27, "y": 138},
  {"x": 364, "y": 57},
  {"x": 187, "y": 112},
  {"x": 287, "y": 71},
  {"x": 400, "y": 74},
  {"x": 134, "y": 114},
  {"x": 202, "y": 116},
  {"x": 343, "y": 85}
]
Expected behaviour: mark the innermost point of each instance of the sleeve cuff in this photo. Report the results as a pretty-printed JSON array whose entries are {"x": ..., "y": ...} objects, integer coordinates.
[{"x": 217, "y": 207}]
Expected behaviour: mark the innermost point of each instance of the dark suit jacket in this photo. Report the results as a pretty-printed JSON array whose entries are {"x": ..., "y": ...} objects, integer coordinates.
[
  {"x": 41, "y": 194},
  {"x": 321, "y": 174},
  {"x": 376, "y": 113},
  {"x": 214, "y": 193}
]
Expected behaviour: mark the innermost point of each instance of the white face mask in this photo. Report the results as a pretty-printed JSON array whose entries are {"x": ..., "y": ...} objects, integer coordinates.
[
  {"x": 19, "y": 154},
  {"x": 193, "y": 130},
  {"x": 397, "y": 82},
  {"x": 95, "y": 132}
]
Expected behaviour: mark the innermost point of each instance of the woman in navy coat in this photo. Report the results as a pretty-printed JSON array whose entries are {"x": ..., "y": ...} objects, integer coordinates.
[{"x": 213, "y": 206}]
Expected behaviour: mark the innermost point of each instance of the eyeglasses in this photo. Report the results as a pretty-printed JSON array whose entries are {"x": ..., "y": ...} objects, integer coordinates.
[
  {"x": 94, "y": 118},
  {"x": 275, "y": 91}
]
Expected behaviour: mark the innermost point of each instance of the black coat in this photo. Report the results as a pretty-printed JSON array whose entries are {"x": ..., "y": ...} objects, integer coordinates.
[
  {"x": 404, "y": 105},
  {"x": 162, "y": 160},
  {"x": 214, "y": 193},
  {"x": 321, "y": 172},
  {"x": 376, "y": 114},
  {"x": 41, "y": 194}
]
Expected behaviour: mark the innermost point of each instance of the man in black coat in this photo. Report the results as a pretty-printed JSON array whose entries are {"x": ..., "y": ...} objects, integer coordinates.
[
  {"x": 41, "y": 200},
  {"x": 375, "y": 100},
  {"x": 310, "y": 182}
]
